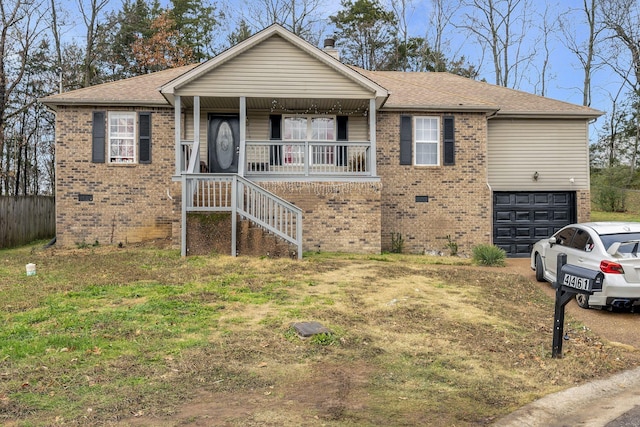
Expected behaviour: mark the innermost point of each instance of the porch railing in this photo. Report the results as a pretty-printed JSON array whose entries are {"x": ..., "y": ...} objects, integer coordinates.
[
  {"x": 185, "y": 154},
  {"x": 299, "y": 158},
  {"x": 232, "y": 193},
  {"x": 308, "y": 158}
]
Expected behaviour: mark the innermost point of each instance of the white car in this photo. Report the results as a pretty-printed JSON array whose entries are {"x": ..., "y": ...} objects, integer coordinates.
[{"x": 610, "y": 247}]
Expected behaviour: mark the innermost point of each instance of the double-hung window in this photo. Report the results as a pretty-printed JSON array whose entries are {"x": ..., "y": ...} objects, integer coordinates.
[
  {"x": 295, "y": 129},
  {"x": 313, "y": 129},
  {"x": 122, "y": 137},
  {"x": 426, "y": 140},
  {"x": 323, "y": 129}
]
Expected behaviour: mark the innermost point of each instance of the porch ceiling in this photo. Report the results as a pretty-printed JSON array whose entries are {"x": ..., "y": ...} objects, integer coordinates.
[{"x": 281, "y": 105}]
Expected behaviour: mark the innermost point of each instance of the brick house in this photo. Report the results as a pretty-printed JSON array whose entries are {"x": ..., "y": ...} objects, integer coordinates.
[{"x": 280, "y": 134}]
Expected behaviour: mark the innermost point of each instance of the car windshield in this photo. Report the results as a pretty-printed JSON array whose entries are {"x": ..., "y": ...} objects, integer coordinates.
[{"x": 609, "y": 239}]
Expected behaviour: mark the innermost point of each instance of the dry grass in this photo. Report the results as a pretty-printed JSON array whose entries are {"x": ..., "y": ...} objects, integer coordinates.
[{"x": 137, "y": 336}]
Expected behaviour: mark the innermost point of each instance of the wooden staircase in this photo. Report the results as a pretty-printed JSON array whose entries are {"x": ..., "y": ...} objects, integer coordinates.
[
  {"x": 210, "y": 233},
  {"x": 215, "y": 209},
  {"x": 256, "y": 241}
]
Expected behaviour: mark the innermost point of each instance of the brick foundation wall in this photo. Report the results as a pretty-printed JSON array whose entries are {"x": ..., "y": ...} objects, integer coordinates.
[
  {"x": 337, "y": 216},
  {"x": 131, "y": 203},
  {"x": 459, "y": 200}
]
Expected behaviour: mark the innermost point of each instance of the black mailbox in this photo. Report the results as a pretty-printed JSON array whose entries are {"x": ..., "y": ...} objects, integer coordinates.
[{"x": 580, "y": 279}]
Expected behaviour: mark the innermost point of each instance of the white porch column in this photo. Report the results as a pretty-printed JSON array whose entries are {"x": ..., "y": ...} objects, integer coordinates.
[
  {"x": 194, "y": 162},
  {"x": 178, "y": 125},
  {"x": 243, "y": 135},
  {"x": 372, "y": 136}
]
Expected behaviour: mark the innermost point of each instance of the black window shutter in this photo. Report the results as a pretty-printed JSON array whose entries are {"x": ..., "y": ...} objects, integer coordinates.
[
  {"x": 449, "y": 141},
  {"x": 342, "y": 135},
  {"x": 342, "y": 128},
  {"x": 275, "y": 151},
  {"x": 144, "y": 137},
  {"x": 98, "y": 137},
  {"x": 406, "y": 140}
]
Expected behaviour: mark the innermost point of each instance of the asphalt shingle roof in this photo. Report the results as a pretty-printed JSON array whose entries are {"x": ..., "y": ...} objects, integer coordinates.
[
  {"x": 139, "y": 90},
  {"x": 408, "y": 91},
  {"x": 445, "y": 91}
]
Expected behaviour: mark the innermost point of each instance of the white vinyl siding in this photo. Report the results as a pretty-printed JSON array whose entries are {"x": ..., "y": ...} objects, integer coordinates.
[
  {"x": 558, "y": 150},
  {"x": 259, "y": 72}
]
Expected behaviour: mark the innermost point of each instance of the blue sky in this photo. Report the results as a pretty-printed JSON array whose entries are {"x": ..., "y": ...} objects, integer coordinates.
[{"x": 564, "y": 79}]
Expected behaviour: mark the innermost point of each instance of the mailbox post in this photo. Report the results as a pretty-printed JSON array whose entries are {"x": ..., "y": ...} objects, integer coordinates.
[{"x": 570, "y": 280}]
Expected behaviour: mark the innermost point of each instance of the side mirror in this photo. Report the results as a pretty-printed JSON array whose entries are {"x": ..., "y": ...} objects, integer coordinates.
[{"x": 552, "y": 241}]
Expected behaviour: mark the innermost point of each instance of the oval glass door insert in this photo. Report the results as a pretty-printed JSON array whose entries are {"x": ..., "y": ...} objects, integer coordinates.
[{"x": 224, "y": 146}]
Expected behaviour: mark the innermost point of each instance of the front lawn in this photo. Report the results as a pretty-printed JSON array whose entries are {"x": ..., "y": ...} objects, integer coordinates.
[{"x": 140, "y": 336}]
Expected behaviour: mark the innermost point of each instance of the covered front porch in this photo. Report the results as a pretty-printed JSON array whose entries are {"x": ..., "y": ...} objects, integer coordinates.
[
  {"x": 226, "y": 148},
  {"x": 260, "y": 138},
  {"x": 274, "y": 109}
]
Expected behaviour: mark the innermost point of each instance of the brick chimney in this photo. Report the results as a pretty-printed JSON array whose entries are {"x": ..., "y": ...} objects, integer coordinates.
[{"x": 330, "y": 48}]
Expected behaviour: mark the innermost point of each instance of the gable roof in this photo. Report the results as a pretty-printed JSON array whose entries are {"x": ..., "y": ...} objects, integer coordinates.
[
  {"x": 275, "y": 30},
  {"x": 439, "y": 91}
]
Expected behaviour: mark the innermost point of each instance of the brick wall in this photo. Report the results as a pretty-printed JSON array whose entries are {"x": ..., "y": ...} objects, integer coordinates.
[
  {"x": 459, "y": 200},
  {"x": 337, "y": 216},
  {"x": 583, "y": 201},
  {"x": 131, "y": 203}
]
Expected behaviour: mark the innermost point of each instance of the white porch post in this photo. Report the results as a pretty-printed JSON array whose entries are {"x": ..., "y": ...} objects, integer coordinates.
[
  {"x": 183, "y": 225},
  {"x": 243, "y": 135},
  {"x": 179, "y": 159},
  {"x": 234, "y": 215},
  {"x": 372, "y": 136},
  {"x": 177, "y": 133},
  {"x": 194, "y": 162},
  {"x": 196, "y": 133}
]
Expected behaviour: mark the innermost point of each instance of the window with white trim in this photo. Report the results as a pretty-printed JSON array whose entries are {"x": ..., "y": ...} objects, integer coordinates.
[
  {"x": 309, "y": 128},
  {"x": 122, "y": 137},
  {"x": 426, "y": 137}
]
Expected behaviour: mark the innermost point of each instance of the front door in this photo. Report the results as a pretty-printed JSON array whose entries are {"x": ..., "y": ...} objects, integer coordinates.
[{"x": 223, "y": 140}]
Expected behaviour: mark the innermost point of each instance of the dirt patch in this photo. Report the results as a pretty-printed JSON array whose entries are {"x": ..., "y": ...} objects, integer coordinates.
[{"x": 323, "y": 393}]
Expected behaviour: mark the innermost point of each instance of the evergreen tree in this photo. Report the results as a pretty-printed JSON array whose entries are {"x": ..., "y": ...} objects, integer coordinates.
[
  {"x": 195, "y": 23},
  {"x": 366, "y": 34}
]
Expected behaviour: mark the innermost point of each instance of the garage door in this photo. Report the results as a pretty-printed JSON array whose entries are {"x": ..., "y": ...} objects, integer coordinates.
[{"x": 522, "y": 218}]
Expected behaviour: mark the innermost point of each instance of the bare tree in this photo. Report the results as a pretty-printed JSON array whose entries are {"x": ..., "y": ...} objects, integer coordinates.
[
  {"x": 442, "y": 13},
  {"x": 20, "y": 27},
  {"x": 500, "y": 26},
  {"x": 548, "y": 25},
  {"x": 585, "y": 50},
  {"x": 622, "y": 18},
  {"x": 90, "y": 15},
  {"x": 401, "y": 9},
  {"x": 301, "y": 17}
]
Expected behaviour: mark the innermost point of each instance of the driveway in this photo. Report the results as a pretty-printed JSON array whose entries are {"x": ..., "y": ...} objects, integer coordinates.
[
  {"x": 608, "y": 402},
  {"x": 616, "y": 327}
]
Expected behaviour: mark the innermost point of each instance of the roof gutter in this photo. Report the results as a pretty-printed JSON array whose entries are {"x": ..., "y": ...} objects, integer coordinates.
[
  {"x": 550, "y": 115},
  {"x": 90, "y": 103},
  {"x": 444, "y": 108}
]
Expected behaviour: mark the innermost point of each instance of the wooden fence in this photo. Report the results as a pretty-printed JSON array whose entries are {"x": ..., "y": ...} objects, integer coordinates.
[{"x": 24, "y": 219}]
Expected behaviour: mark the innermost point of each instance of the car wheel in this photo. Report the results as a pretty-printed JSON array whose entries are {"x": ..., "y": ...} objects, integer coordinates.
[
  {"x": 539, "y": 269},
  {"x": 582, "y": 300}
]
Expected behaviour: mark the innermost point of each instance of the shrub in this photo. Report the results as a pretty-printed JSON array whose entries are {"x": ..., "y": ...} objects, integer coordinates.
[
  {"x": 610, "y": 199},
  {"x": 607, "y": 191},
  {"x": 397, "y": 243},
  {"x": 488, "y": 255},
  {"x": 452, "y": 245}
]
